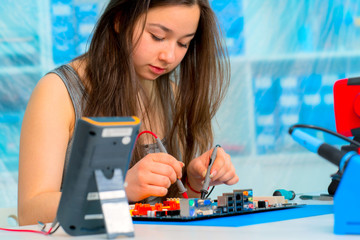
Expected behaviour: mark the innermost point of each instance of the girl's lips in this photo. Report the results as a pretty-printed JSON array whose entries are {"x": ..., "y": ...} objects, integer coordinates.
[{"x": 157, "y": 70}]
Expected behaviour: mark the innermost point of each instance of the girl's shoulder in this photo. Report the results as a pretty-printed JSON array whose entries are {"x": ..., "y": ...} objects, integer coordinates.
[{"x": 50, "y": 100}]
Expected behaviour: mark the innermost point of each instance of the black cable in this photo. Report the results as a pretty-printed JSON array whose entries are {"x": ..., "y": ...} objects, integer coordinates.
[
  {"x": 291, "y": 129},
  {"x": 210, "y": 192},
  {"x": 56, "y": 228}
]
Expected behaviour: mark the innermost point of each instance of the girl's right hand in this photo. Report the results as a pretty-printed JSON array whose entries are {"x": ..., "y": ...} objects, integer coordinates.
[{"x": 152, "y": 176}]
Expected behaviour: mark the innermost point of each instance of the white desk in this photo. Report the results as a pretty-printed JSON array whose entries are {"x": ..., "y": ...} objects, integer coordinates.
[{"x": 318, "y": 227}]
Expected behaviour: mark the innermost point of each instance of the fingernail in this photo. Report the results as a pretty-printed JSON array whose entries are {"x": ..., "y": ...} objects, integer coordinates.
[
  {"x": 203, "y": 174},
  {"x": 213, "y": 174},
  {"x": 183, "y": 164}
]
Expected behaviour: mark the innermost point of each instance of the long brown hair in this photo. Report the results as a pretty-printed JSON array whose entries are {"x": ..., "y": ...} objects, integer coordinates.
[{"x": 201, "y": 79}]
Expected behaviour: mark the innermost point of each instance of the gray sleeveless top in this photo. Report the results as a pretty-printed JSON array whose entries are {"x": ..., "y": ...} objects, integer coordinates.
[{"x": 78, "y": 96}]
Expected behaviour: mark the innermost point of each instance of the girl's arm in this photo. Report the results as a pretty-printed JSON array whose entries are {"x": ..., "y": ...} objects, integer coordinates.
[{"x": 47, "y": 126}]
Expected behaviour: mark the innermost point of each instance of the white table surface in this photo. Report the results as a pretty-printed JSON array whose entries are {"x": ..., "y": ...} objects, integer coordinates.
[{"x": 317, "y": 227}]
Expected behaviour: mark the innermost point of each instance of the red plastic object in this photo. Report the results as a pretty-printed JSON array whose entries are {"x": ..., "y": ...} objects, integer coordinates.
[
  {"x": 347, "y": 106},
  {"x": 172, "y": 204},
  {"x": 142, "y": 209}
]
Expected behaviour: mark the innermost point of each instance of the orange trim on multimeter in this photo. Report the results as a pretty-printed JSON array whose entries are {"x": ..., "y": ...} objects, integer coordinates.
[{"x": 136, "y": 121}]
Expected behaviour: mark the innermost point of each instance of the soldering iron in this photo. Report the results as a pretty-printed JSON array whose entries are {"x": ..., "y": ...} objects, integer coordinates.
[
  {"x": 346, "y": 221},
  {"x": 323, "y": 149}
]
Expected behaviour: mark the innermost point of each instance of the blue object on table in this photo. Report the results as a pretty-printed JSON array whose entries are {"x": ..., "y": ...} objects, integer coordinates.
[
  {"x": 347, "y": 217},
  {"x": 288, "y": 194},
  {"x": 253, "y": 218}
]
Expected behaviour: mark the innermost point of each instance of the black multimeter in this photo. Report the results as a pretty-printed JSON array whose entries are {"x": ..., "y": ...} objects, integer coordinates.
[{"x": 100, "y": 143}]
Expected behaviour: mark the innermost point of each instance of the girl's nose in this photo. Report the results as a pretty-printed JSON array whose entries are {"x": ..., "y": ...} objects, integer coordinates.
[{"x": 167, "y": 54}]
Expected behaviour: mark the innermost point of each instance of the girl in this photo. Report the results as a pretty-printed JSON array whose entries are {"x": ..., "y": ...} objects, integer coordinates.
[{"x": 160, "y": 60}]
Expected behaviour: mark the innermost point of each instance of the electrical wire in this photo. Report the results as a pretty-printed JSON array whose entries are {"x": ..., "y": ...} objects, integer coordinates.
[
  {"x": 208, "y": 195},
  {"x": 28, "y": 230},
  {"x": 54, "y": 227},
  {"x": 145, "y": 132},
  {"x": 291, "y": 129}
]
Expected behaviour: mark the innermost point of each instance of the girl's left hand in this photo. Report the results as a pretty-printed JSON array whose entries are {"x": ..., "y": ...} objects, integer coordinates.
[{"x": 222, "y": 171}]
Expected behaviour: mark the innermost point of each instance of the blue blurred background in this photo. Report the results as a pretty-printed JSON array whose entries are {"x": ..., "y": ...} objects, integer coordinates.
[{"x": 285, "y": 57}]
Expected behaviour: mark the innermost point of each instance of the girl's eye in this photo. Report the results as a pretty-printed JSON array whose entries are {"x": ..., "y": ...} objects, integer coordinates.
[
  {"x": 156, "y": 38},
  {"x": 184, "y": 45},
  {"x": 159, "y": 39}
]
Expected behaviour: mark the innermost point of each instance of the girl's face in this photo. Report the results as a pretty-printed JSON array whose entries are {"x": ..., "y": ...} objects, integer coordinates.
[{"x": 165, "y": 40}]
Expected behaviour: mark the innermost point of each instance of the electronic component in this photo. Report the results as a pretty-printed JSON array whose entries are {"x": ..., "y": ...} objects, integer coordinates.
[
  {"x": 170, "y": 207},
  {"x": 271, "y": 201},
  {"x": 237, "y": 201},
  {"x": 195, "y": 207},
  {"x": 228, "y": 204},
  {"x": 262, "y": 204}
]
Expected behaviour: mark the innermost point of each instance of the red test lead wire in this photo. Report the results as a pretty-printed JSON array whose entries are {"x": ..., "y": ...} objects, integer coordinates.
[
  {"x": 145, "y": 132},
  {"x": 25, "y": 230},
  {"x": 49, "y": 232},
  {"x": 180, "y": 185}
]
